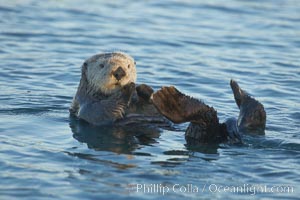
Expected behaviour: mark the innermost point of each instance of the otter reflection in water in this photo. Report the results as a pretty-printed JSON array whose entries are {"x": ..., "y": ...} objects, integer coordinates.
[
  {"x": 117, "y": 139},
  {"x": 126, "y": 139}
]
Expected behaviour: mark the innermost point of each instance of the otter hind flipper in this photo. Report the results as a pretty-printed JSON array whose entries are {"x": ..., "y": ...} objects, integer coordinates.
[
  {"x": 166, "y": 101},
  {"x": 180, "y": 108},
  {"x": 239, "y": 94},
  {"x": 252, "y": 117}
]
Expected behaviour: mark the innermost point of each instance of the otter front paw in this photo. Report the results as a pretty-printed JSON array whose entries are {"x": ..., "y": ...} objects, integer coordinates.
[
  {"x": 144, "y": 91},
  {"x": 127, "y": 91}
]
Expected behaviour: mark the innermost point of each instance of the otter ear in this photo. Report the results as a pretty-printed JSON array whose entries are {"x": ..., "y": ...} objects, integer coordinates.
[
  {"x": 84, "y": 69},
  {"x": 84, "y": 66}
]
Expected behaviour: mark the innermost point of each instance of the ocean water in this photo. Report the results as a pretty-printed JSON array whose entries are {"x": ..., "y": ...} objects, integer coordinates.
[{"x": 198, "y": 46}]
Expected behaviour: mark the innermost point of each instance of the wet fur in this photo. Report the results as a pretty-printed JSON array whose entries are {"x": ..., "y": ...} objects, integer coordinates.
[
  {"x": 204, "y": 124},
  {"x": 100, "y": 98}
]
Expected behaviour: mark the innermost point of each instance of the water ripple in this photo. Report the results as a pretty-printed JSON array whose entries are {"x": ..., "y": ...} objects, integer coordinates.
[{"x": 196, "y": 46}]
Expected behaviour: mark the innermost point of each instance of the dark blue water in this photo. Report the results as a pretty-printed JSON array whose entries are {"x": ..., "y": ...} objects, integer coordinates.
[{"x": 196, "y": 46}]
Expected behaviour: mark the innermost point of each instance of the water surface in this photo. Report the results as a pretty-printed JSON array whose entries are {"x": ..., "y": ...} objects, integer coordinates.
[{"x": 196, "y": 46}]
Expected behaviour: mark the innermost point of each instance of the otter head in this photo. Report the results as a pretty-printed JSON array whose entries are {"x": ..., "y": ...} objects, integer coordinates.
[{"x": 109, "y": 72}]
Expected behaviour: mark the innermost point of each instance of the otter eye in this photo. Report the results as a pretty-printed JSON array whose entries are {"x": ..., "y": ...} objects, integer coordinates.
[
  {"x": 101, "y": 66},
  {"x": 85, "y": 64},
  {"x": 128, "y": 66}
]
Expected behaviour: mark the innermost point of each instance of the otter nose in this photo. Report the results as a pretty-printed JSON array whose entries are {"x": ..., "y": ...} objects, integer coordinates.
[{"x": 119, "y": 73}]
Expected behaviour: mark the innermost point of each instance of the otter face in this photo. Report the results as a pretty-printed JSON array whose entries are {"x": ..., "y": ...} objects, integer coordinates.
[{"x": 109, "y": 72}]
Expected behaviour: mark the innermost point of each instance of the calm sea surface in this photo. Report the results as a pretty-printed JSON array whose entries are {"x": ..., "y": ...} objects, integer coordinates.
[{"x": 196, "y": 46}]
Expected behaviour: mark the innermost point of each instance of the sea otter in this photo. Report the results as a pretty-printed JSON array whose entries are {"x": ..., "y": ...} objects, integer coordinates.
[
  {"x": 107, "y": 93},
  {"x": 204, "y": 124}
]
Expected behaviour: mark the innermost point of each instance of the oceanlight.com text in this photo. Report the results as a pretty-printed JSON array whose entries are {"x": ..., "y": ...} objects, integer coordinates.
[{"x": 251, "y": 189}]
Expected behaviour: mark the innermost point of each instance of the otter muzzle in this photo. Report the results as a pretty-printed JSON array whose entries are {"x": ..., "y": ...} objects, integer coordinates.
[{"x": 119, "y": 73}]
